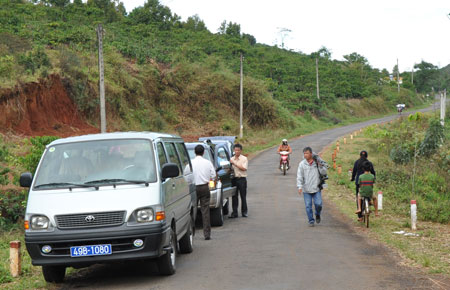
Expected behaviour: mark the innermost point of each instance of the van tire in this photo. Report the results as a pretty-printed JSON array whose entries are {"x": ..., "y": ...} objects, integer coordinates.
[
  {"x": 217, "y": 216},
  {"x": 54, "y": 273},
  {"x": 187, "y": 241},
  {"x": 226, "y": 207},
  {"x": 167, "y": 262}
]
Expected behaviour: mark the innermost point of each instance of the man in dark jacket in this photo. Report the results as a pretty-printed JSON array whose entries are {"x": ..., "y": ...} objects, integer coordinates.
[{"x": 358, "y": 170}]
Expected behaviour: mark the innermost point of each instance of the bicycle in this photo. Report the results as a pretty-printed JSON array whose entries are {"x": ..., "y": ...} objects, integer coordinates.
[{"x": 365, "y": 210}]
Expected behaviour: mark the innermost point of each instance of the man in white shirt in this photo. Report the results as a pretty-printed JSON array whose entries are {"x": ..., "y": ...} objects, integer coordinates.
[{"x": 203, "y": 172}]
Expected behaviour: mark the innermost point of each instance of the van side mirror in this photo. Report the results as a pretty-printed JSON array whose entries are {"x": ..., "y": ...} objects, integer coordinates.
[
  {"x": 225, "y": 164},
  {"x": 26, "y": 179},
  {"x": 170, "y": 170}
]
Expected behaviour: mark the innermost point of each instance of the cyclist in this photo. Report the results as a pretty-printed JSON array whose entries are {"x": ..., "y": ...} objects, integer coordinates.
[
  {"x": 365, "y": 182},
  {"x": 358, "y": 170}
]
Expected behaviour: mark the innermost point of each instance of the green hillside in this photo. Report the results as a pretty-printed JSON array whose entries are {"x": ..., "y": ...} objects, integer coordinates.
[{"x": 166, "y": 74}]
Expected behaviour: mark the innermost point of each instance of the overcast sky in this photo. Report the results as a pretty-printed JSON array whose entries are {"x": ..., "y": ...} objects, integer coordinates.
[{"x": 382, "y": 30}]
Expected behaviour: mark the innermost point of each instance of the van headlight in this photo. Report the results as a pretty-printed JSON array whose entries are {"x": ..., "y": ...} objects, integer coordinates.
[
  {"x": 144, "y": 215},
  {"x": 39, "y": 222}
]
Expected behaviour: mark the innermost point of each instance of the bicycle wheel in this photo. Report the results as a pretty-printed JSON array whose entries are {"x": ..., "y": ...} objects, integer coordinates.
[{"x": 366, "y": 211}]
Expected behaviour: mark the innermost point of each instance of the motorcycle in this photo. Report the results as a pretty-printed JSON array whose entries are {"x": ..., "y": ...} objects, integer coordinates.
[{"x": 284, "y": 162}]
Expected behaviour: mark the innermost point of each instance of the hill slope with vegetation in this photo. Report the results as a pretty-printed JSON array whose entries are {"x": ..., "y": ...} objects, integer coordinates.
[{"x": 162, "y": 73}]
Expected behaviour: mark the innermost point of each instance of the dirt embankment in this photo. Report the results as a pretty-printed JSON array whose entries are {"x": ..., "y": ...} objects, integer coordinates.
[{"x": 41, "y": 108}]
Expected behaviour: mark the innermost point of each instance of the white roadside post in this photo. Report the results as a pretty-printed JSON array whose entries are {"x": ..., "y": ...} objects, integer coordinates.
[
  {"x": 15, "y": 266},
  {"x": 413, "y": 215},
  {"x": 380, "y": 200}
]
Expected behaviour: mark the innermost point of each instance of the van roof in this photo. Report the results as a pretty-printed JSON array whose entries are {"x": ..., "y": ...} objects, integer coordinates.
[{"x": 115, "y": 135}]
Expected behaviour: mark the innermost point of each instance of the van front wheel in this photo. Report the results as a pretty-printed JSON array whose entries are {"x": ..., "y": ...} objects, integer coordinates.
[
  {"x": 54, "y": 273},
  {"x": 187, "y": 241},
  {"x": 167, "y": 262}
]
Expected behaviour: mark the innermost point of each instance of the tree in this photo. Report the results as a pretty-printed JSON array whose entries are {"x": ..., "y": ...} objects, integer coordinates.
[
  {"x": 113, "y": 10},
  {"x": 59, "y": 3},
  {"x": 223, "y": 27},
  {"x": 426, "y": 76},
  {"x": 195, "y": 23},
  {"x": 153, "y": 13},
  {"x": 355, "y": 58},
  {"x": 233, "y": 29},
  {"x": 250, "y": 38}
]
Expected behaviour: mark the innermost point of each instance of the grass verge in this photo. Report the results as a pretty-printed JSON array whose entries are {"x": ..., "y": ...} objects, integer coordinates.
[{"x": 429, "y": 251}]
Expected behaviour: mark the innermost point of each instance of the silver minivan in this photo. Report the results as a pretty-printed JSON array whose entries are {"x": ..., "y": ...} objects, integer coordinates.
[{"x": 110, "y": 197}]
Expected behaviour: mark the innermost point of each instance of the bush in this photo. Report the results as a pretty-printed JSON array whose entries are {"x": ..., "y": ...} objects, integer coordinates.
[
  {"x": 12, "y": 205},
  {"x": 433, "y": 138},
  {"x": 34, "y": 60},
  {"x": 401, "y": 154}
]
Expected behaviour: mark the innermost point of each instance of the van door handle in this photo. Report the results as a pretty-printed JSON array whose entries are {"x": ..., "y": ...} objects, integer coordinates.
[{"x": 173, "y": 185}]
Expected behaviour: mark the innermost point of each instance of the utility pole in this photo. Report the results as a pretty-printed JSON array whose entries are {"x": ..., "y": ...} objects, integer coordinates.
[
  {"x": 241, "y": 103},
  {"x": 101, "y": 79},
  {"x": 317, "y": 77},
  {"x": 412, "y": 75},
  {"x": 443, "y": 100},
  {"x": 398, "y": 78}
]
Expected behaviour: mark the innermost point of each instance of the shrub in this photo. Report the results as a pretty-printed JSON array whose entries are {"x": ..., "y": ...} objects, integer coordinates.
[
  {"x": 401, "y": 154},
  {"x": 12, "y": 205},
  {"x": 34, "y": 60},
  {"x": 433, "y": 138}
]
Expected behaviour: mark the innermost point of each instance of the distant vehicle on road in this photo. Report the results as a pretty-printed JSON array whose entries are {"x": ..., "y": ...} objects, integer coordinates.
[
  {"x": 223, "y": 189},
  {"x": 110, "y": 197},
  {"x": 400, "y": 108}
]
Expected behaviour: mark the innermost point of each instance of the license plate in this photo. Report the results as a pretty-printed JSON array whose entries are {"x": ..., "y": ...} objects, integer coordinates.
[{"x": 94, "y": 250}]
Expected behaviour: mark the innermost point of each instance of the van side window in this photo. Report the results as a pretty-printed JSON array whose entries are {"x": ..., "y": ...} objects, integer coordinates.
[
  {"x": 173, "y": 157},
  {"x": 222, "y": 155},
  {"x": 184, "y": 158},
  {"x": 161, "y": 155}
]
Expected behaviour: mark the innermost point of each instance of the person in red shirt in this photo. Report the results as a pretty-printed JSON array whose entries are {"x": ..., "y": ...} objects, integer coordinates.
[{"x": 285, "y": 147}]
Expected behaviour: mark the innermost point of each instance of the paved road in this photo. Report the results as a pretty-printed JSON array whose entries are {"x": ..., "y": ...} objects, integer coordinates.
[{"x": 273, "y": 248}]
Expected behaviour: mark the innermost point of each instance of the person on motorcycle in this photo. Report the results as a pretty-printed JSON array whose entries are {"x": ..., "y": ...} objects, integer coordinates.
[{"x": 285, "y": 147}]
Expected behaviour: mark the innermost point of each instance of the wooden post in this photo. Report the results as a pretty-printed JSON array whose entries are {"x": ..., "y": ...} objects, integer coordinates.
[
  {"x": 317, "y": 77},
  {"x": 351, "y": 136},
  {"x": 339, "y": 169},
  {"x": 333, "y": 156},
  {"x": 337, "y": 148},
  {"x": 101, "y": 79},
  {"x": 15, "y": 266},
  {"x": 334, "y": 164},
  {"x": 345, "y": 140},
  {"x": 241, "y": 100},
  {"x": 335, "y": 153}
]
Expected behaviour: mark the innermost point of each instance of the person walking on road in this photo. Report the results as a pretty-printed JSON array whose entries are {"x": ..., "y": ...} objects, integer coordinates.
[
  {"x": 358, "y": 169},
  {"x": 203, "y": 171},
  {"x": 309, "y": 183},
  {"x": 240, "y": 166}
]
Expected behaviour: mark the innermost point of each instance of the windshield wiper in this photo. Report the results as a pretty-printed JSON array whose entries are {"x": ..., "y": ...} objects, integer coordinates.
[
  {"x": 116, "y": 180},
  {"x": 64, "y": 184}
]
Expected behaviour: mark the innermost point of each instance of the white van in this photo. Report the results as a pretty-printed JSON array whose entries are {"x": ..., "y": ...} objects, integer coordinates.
[{"x": 110, "y": 197}]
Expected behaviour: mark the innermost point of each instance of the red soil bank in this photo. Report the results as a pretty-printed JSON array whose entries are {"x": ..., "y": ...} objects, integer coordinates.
[{"x": 43, "y": 108}]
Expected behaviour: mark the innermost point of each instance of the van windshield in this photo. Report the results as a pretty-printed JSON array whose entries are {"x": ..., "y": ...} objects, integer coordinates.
[{"x": 98, "y": 162}]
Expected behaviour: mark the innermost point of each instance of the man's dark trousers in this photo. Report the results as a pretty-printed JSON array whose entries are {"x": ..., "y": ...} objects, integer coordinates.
[
  {"x": 204, "y": 196},
  {"x": 241, "y": 186}
]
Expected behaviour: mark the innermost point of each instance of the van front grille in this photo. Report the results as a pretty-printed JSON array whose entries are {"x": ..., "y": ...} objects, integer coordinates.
[{"x": 87, "y": 220}]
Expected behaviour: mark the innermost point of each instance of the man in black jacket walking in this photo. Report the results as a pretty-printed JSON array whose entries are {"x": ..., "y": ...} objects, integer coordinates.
[{"x": 358, "y": 170}]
